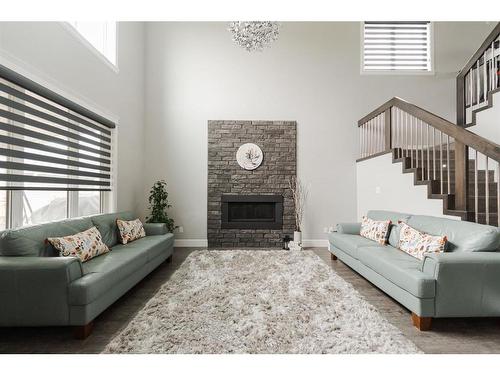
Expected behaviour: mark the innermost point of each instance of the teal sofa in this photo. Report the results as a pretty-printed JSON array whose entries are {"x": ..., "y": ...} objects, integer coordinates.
[
  {"x": 39, "y": 288},
  {"x": 464, "y": 281}
]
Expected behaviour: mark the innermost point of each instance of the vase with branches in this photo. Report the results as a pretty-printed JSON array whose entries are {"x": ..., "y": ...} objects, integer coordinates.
[
  {"x": 300, "y": 193},
  {"x": 158, "y": 205}
]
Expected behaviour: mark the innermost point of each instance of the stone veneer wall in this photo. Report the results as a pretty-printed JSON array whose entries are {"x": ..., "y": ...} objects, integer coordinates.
[{"x": 277, "y": 139}]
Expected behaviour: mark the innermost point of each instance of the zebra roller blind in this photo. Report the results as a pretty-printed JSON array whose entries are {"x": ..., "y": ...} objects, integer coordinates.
[
  {"x": 397, "y": 46},
  {"x": 48, "y": 142}
]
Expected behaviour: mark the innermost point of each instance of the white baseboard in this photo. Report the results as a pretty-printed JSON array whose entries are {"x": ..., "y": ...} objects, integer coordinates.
[
  {"x": 204, "y": 243},
  {"x": 190, "y": 243},
  {"x": 314, "y": 243}
]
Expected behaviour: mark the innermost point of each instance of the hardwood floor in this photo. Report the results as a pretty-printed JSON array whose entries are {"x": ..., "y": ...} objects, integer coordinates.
[{"x": 447, "y": 335}]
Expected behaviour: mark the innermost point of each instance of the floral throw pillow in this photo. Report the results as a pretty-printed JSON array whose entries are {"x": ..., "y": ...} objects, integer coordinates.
[
  {"x": 375, "y": 230},
  {"x": 416, "y": 243},
  {"x": 130, "y": 230},
  {"x": 84, "y": 245}
]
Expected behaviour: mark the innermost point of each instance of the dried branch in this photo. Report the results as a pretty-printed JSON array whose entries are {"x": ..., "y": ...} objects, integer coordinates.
[{"x": 300, "y": 193}]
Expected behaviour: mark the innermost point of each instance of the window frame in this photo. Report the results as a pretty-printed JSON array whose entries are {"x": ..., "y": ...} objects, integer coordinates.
[
  {"x": 396, "y": 72},
  {"x": 108, "y": 199},
  {"x": 76, "y": 34}
]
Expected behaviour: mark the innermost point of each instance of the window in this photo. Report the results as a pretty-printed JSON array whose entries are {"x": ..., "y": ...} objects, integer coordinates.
[
  {"x": 397, "y": 47},
  {"x": 3, "y": 210},
  {"x": 43, "y": 206},
  {"x": 89, "y": 203},
  {"x": 55, "y": 155},
  {"x": 100, "y": 35}
]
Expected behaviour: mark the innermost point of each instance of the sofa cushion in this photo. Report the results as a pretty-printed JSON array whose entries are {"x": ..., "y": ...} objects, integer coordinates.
[
  {"x": 349, "y": 243},
  {"x": 32, "y": 240},
  {"x": 105, "y": 271},
  {"x": 417, "y": 244},
  {"x": 399, "y": 268},
  {"x": 375, "y": 230},
  {"x": 83, "y": 245},
  {"x": 153, "y": 245},
  {"x": 394, "y": 217},
  {"x": 130, "y": 230},
  {"x": 461, "y": 235},
  {"x": 106, "y": 224}
]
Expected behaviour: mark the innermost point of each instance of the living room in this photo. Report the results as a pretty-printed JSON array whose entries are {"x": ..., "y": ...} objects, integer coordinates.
[{"x": 193, "y": 184}]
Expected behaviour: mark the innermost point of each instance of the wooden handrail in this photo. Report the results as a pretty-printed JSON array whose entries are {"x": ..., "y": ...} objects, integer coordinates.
[
  {"x": 482, "y": 145},
  {"x": 486, "y": 44}
]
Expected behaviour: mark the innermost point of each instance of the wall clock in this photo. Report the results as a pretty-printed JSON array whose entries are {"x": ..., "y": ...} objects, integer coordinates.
[{"x": 249, "y": 156}]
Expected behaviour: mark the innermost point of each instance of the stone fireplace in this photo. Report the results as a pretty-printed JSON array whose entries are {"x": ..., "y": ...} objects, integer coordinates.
[{"x": 250, "y": 208}]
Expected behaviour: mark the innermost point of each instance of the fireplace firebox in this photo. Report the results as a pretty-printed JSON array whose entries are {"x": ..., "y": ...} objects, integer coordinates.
[{"x": 252, "y": 211}]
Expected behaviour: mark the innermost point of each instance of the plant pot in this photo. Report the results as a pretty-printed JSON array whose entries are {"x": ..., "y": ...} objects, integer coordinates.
[{"x": 297, "y": 237}]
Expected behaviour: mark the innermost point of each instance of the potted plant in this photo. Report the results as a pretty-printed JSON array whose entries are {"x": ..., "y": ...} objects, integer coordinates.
[
  {"x": 158, "y": 205},
  {"x": 299, "y": 196}
]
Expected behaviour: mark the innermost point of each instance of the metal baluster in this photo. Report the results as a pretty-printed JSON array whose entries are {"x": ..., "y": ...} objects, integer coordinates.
[
  {"x": 396, "y": 130},
  {"x": 441, "y": 159},
  {"x": 411, "y": 141},
  {"x": 487, "y": 195},
  {"x": 428, "y": 154},
  {"x": 478, "y": 83},
  {"x": 476, "y": 192},
  {"x": 360, "y": 143},
  {"x": 415, "y": 126},
  {"x": 485, "y": 78},
  {"x": 492, "y": 71},
  {"x": 470, "y": 87},
  {"x": 363, "y": 136},
  {"x": 406, "y": 129},
  {"x": 448, "y": 162},
  {"x": 380, "y": 133},
  {"x": 422, "y": 162},
  {"x": 434, "y": 152},
  {"x": 368, "y": 129},
  {"x": 393, "y": 129}
]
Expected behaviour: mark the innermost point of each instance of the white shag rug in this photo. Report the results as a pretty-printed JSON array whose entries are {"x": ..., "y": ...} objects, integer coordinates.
[{"x": 253, "y": 301}]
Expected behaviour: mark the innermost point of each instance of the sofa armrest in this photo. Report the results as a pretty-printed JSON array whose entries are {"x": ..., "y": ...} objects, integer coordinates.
[
  {"x": 34, "y": 290},
  {"x": 349, "y": 228},
  {"x": 154, "y": 229},
  {"x": 467, "y": 283}
]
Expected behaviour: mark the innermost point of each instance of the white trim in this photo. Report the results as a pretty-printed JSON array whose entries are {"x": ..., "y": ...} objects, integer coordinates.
[
  {"x": 74, "y": 32},
  {"x": 190, "y": 243},
  {"x": 362, "y": 71},
  {"x": 315, "y": 243}
]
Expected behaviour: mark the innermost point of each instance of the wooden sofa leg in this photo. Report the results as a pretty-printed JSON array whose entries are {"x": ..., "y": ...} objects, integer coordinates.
[
  {"x": 422, "y": 324},
  {"x": 169, "y": 259},
  {"x": 333, "y": 256},
  {"x": 82, "y": 332}
]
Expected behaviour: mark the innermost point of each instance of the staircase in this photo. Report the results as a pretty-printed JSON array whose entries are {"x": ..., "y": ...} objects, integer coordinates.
[
  {"x": 438, "y": 188},
  {"x": 458, "y": 166}
]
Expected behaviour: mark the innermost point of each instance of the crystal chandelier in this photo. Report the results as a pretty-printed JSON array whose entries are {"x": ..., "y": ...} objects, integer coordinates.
[{"x": 254, "y": 35}]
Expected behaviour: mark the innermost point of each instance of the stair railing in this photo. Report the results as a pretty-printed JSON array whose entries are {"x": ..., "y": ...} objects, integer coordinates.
[
  {"x": 479, "y": 79},
  {"x": 439, "y": 152}
]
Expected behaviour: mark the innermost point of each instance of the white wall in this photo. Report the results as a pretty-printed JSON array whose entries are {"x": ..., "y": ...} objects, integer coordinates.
[
  {"x": 46, "y": 51},
  {"x": 381, "y": 185},
  {"x": 311, "y": 74},
  {"x": 488, "y": 121}
]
